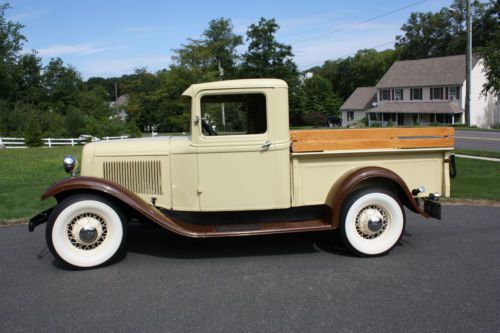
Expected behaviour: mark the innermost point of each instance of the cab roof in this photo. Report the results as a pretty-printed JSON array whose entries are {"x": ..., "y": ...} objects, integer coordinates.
[{"x": 235, "y": 84}]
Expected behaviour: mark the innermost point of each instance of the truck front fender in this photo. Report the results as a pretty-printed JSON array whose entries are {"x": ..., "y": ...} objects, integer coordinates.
[
  {"x": 67, "y": 187},
  {"x": 376, "y": 176}
]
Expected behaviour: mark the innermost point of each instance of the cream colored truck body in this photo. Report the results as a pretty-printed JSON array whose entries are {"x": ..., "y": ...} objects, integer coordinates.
[{"x": 236, "y": 173}]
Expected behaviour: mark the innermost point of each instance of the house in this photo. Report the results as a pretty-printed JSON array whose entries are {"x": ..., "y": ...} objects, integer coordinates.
[
  {"x": 120, "y": 107},
  {"x": 355, "y": 107},
  {"x": 430, "y": 91}
]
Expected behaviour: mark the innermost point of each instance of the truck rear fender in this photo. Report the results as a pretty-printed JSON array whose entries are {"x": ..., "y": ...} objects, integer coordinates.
[{"x": 374, "y": 177}]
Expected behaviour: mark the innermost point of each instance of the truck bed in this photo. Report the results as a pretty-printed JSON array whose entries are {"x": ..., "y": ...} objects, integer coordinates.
[{"x": 372, "y": 138}]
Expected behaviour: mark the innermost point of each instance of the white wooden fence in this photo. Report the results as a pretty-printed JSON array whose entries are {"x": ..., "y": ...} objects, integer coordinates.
[{"x": 12, "y": 143}]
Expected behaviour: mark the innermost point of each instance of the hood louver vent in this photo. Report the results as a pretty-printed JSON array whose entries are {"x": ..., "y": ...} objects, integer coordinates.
[{"x": 142, "y": 177}]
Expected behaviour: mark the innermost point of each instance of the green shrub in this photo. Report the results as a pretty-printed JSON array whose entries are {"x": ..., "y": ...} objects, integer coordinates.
[
  {"x": 133, "y": 130},
  {"x": 315, "y": 119},
  {"x": 33, "y": 132},
  {"x": 74, "y": 123}
]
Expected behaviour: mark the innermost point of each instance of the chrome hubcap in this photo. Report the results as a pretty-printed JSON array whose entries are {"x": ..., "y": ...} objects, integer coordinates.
[
  {"x": 372, "y": 221},
  {"x": 375, "y": 224},
  {"x": 87, "y": 231},
  {"x": 88, "y": 234}
]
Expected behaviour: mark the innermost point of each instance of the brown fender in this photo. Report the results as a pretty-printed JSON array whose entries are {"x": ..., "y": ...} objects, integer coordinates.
[
  {"x": 339, "y": 192},
  {"x": 83, "y": 184}
]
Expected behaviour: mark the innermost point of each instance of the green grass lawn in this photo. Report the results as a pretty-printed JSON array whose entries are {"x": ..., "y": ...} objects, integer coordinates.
[
  {"x": 26, "y": 173},
  {"x": 476, "y": 179},
  {"x": 473, "y": 152}
]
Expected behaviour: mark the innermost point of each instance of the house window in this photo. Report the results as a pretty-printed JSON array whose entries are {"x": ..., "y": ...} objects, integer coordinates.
[
  {"x": 437, "y": 93},
  {"x": 398, "y": 94},
  {"x": 453, "y": 92},
  {"x": 385, "y": 94},
  {"x": 350, "y": 115},
  {"x": 233, "y": 114},
  {"x": 416, "y": 94}
]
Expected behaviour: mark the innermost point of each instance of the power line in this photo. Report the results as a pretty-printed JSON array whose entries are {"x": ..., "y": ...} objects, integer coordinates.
[
  {"x": 350, "y": 54},
  {"x": 359, "y": 23}
]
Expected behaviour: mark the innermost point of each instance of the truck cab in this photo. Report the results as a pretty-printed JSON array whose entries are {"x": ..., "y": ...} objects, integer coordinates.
[{"x": 241, "y": 139}]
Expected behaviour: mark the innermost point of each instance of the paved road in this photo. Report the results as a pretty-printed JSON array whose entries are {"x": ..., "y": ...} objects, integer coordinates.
[
  {"x": 477, "y": 140},
  {"x": 443, "y": 276}
]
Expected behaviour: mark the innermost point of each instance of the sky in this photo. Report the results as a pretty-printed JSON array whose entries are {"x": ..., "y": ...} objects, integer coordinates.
[{"x": 110, "y": 38}]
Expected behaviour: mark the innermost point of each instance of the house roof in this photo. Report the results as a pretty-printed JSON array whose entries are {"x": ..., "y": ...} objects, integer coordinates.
[
  {"x": 122, "y": 100},
  {"x": 426, "y": 72},
  {"x": 418, "y": 107},
  {"x": 360, "y": 99}
]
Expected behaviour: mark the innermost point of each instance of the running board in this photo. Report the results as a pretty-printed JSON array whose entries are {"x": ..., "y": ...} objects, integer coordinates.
[{"x": 253, "y": 229}]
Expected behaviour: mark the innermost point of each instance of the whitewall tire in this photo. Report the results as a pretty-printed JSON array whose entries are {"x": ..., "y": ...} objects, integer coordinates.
[
  {"x": 85, "y": 231},
  {"x": 372, "y": 222}
]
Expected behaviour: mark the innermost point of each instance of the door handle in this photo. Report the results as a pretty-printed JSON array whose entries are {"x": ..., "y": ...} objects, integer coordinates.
[{"x": 266, "y": 145}]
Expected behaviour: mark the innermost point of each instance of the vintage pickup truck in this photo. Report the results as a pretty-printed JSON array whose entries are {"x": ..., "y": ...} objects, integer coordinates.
[{"x": 242, "y": 172}]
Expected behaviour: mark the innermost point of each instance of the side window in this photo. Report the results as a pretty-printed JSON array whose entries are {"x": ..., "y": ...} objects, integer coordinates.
[{"x": 233, "y": 114}]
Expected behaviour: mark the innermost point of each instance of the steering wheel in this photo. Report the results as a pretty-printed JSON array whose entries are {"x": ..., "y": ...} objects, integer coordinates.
[{"x": 209, "y": 129}]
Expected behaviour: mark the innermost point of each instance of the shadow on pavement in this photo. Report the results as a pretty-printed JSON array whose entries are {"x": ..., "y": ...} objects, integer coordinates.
[{"x": 155, "y": 241}]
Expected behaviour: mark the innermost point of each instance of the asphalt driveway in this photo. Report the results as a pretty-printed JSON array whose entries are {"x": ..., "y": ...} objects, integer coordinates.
[{"x": 443, "y": 276}]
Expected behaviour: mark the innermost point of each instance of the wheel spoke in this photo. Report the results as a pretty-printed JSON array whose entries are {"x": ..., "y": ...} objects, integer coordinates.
[
  {"x": 86, "y": 220},
  {"x": 375, "y": 215}
]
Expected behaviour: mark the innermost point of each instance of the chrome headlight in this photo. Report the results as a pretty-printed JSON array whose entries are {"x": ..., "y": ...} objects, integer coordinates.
[{"x": 70, "y": 164}]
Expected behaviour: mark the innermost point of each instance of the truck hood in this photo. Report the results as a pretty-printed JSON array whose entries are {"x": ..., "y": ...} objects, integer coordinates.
[{"x": 138, "y": 147}]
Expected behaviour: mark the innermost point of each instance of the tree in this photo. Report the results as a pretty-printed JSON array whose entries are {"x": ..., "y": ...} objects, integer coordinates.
[
  {"x": 108, "y": 84},
  {"x": 490, "y": 52},
  {"x": 74, "y": 122},
  {"x": 28, "y": 77},
  {"x": 222, "y": 42},
  {"x": 441, "y": 33},
  {"x": 216, "y": 48},
  {"x": 33, "y": 132},
  {"x": 319, "y": 97},
  {"x": 95, "y": 103},
  {"x": 11, "y": 45},
  {"x": 365, "y": 68},
  {"x": 268, "y": 58},
  {"x": 143, "y": 104},
  {"x": 63, "y": 85}
]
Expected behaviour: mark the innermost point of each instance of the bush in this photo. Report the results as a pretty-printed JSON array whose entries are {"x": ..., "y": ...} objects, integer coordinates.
[
  {"x": 74, "y": 123},
  {"x": 33, "y": 132},
  {"x": 133, "y": 130},
  {"x": 315, "y": 119},
  {"x": 52, "y": 124},
  {"x": 179, "y": 123},
  {"x": 104, "y": 127}
]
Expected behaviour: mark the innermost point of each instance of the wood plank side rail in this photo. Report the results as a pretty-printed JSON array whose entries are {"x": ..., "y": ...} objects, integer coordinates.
[{"x": 372, "y": 138}]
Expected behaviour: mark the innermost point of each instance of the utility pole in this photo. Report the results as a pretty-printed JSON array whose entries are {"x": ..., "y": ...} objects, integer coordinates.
[
  {"x": 116, "y": 91},
  {"x": 468, "y": 60},
  {"x": 222, "y": 109}
]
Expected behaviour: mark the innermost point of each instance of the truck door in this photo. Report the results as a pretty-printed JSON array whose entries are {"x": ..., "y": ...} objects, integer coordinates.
[{"x": 240, "y": 168}]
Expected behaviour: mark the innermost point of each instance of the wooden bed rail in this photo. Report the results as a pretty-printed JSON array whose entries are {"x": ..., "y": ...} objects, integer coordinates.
[{"x": 372, "y": 138}]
